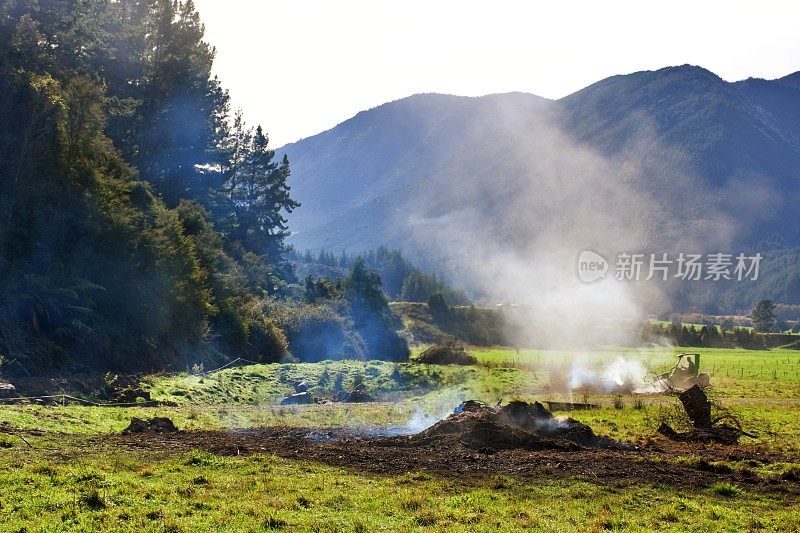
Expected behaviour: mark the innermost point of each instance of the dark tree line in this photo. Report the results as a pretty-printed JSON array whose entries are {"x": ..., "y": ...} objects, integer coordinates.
[
  {"x": 140, "y": 226},
  {"x": 402, "y": 281},
  {"x": 711, "y": 336}
]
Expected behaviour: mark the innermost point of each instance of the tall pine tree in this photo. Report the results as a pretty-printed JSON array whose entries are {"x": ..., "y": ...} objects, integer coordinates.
[{"x": 258, "y": 195}]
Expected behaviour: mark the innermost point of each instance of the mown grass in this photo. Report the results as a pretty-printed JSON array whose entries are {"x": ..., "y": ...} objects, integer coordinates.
[
  {"x": 102, "y": 490},
  {"x": 736, "y": 372}
]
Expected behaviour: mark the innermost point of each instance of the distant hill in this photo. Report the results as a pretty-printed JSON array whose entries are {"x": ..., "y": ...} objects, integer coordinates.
[
  {"x": 654, "y": 160},
  {"x": 352, "y": 178}
]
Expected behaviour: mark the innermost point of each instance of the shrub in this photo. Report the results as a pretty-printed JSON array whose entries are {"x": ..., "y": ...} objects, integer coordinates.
[
  {"x": 437, "y": 305},
  {"x": 317, "y": 333},
  {"x": 618, "y": 402}
]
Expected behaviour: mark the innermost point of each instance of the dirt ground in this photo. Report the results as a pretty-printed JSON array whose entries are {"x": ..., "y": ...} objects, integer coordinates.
[{"x": 398, "y": 455}]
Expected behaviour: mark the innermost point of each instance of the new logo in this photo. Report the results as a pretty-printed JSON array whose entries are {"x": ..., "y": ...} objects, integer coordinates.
[{"x": 591, "y": 266}]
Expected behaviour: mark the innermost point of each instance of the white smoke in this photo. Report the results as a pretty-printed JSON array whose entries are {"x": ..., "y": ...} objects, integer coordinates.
[
  {"x": 516, "y": 236},
  {"x": 422, "y": 420},
  {"x": 428, "y": 411},
  {"x": 619, "y": 375}
]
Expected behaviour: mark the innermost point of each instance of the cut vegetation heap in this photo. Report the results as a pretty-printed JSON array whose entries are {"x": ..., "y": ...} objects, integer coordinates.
[{"x": 448, "y": 353}]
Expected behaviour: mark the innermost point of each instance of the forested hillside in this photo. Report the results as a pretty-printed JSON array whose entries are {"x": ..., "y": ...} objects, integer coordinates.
[{"x": 140, "y": 227}]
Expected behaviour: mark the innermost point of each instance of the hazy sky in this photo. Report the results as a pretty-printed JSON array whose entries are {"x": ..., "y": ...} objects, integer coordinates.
[{"x": 302, "y": 66}]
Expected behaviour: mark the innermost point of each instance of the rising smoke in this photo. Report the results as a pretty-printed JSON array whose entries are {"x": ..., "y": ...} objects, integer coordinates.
[
  {"x": 620, "y": 375},
  {"x": 514, "y": 228}
]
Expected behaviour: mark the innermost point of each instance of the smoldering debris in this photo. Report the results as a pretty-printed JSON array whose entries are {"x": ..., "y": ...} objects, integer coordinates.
[{"x": 517, "y": 425}]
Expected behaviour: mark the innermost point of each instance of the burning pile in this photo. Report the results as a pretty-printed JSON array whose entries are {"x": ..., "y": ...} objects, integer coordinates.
[{"x": 518, "y": 425}]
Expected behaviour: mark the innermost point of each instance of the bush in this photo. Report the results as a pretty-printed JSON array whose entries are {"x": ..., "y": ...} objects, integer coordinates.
[
  {"x": 317, "y": 332},
  {"x": 437, "y": 305}
]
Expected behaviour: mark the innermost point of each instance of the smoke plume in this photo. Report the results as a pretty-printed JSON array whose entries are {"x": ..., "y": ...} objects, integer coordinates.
[{"x": 515, "y": 238}]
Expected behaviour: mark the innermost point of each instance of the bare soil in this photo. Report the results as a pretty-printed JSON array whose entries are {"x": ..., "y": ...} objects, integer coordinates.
[{"x": 398, "y": 455}]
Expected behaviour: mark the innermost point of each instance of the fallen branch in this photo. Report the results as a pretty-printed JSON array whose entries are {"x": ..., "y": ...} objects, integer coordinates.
[{"x": 720, "y": 434}]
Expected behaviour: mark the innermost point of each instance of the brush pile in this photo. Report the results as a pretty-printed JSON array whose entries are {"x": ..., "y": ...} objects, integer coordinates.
[
  {"x": 448, "y": 353},
  {"x": 518, "y": 425},
  {"x": 705, "y": 428}
]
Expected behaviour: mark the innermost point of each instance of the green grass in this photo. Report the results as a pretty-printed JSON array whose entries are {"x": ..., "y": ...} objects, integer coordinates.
[
  {"x": 736, "y": 372},
  {"x": 249, "y": 396},
  {"x": 107, "y": 489},
  {"x": 260, "y": 384},
  {"x": 761, "y": 387},
  {"x": 63, "y": 483}
]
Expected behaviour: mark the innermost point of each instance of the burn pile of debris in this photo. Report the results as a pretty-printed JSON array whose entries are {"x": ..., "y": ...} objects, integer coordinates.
[
  {"x": 517, "y": 425},
  {"x": 723, "y": 429},
  {"x": 448, "y": 353}
]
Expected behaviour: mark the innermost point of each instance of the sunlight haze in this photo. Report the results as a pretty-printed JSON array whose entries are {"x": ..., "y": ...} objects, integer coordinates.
[{"x": 300, "y": 67}]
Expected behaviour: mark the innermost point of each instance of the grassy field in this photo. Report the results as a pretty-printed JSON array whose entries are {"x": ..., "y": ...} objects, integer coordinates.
[
  {"x": 70, "y": 479},
  {"x": 736, "y": 372},
  {"x": 761, "y": 387},
  {"x": 93, "y": 490}
]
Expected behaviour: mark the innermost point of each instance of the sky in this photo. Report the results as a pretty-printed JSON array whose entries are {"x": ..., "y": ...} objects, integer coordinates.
[{"x": 299, "y": 67}]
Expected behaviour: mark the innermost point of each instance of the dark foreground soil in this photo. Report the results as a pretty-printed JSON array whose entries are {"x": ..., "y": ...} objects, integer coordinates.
[{"x": 398, "y": 455}]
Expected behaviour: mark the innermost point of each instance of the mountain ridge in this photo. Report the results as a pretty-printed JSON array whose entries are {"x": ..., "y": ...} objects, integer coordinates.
[{"x": 710, "y": 162}]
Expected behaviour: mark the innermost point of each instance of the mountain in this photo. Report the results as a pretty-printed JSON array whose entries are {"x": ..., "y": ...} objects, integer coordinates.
[
  {"x": 725, "y": 129},
  {"x": 349, "y": 178},
  {"x": 650, "y": 160}
]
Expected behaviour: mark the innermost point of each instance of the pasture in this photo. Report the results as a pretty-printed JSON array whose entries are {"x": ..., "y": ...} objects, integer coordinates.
[{"x": 65, "y": 468}]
